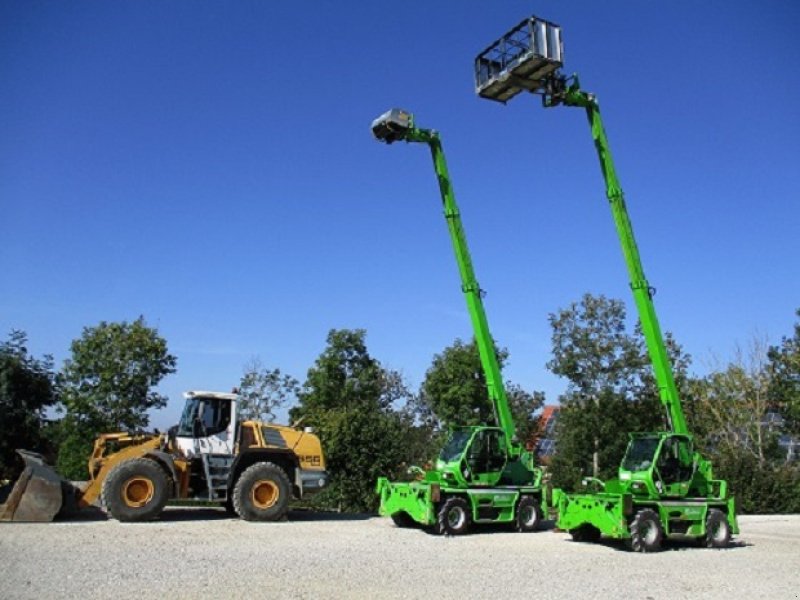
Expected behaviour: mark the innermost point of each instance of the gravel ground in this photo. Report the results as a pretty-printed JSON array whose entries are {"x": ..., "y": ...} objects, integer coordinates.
[{"x": 193, "y": 553}]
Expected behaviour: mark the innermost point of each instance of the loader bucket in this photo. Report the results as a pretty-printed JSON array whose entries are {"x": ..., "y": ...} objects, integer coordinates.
[{"x": 39, "y": 494}]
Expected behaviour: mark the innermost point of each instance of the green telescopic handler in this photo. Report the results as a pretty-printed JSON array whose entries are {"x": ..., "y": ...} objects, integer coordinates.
[
  {"x": 483, "y": 474},
  {"x": 664, "y": 487}
]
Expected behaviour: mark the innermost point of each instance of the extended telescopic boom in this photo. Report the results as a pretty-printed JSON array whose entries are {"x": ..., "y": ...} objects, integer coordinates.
[
  {"x": 396, "y": 125},
  {"x": 642, "y": 292},
  {"x": 528, "y": 59}
]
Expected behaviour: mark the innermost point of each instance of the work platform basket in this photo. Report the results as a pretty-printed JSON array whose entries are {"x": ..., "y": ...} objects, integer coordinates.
[{"x": 519, "y": 61}]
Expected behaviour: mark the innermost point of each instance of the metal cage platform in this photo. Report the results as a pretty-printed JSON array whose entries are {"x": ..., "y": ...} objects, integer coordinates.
[{"x": 521, "y": 60}]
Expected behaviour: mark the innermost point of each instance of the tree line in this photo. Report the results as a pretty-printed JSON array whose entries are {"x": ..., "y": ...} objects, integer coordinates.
[{"x": 372, "y": 424}]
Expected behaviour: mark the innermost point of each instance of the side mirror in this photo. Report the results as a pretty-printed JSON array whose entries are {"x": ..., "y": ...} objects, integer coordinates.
[{"x": 197, "y": 428}]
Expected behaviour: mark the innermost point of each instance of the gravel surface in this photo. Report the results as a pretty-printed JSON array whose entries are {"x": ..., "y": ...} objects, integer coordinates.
[{"x": 193, "y": 553}]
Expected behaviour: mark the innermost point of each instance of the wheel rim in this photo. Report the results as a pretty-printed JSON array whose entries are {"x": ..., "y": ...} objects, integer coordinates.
[
  {"x": 265, "y": 493},
  {"x": 137, "y": 491},
  {"x": 456, "y": 517},
  {"x": 649, "y": 533},
  {"x": 719, "y": 531},
  {"x": 528, "y": 515}
]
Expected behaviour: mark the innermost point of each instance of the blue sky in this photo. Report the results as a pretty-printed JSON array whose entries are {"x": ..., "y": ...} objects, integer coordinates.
[{"x": 209, "y": 165}]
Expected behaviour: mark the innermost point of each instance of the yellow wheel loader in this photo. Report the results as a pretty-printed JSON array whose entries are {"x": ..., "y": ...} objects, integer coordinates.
[{"x": 252, "y": 468}]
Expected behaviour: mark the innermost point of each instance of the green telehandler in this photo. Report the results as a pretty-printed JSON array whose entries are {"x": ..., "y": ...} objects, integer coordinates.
[
  {"x": 483, "y": 474},
  {"x": 664, "y": 488}
]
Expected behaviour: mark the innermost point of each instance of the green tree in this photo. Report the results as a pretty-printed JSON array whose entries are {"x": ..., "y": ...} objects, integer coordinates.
[
  {"x": 26, "y": 390},
  {"x": 262, "y": 391},
  {"x": 350, "y": 400},
  {"x": 742, "y": 406},
  {"x": 454, "y": 392},
  {"x": 610, "y": 389},
  {"x": 784, "y": 367},
  {"x": 108, "y": 385},
  {"x": 735, "y": 403}
]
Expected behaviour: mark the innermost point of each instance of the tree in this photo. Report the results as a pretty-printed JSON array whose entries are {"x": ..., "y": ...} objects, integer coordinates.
[
  {"x": 108, "y": 385},
  {"x": 26, "y": 390},
  {"x": 784, "y": 367},
  {"x": 523, "y": 406},
  {"x": 264, "y": 390},
  {"x": 744, "y": 406},
  {"x": 454, "y": 392},
  {"x": 735, "y": 403},
  {"x": 349, "y": 398},
  {"x": 610, "y": 390}
]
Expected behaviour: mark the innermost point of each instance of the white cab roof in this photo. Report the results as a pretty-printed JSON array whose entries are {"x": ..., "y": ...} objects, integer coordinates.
[{"x": 205, "y": 394}]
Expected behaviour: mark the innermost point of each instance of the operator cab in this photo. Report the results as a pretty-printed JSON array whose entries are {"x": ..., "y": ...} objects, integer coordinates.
[
  {"x": 207, "y": 425},
  {"x": 477, "y": 454},
  {"x": 662, "y": 462}
]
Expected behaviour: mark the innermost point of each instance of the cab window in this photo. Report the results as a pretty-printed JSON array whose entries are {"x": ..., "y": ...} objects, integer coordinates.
[
  {"x": 487, "y": 451},
  {"x": 205, "y": 416},
  {"x": 675, "y": 460},
  {"x": 216, "y": 416}
]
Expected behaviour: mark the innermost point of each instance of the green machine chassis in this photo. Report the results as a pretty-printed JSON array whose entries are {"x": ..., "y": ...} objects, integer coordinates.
[
  {"x": 664, "y": 488},
  {"x": 651, "y": 499},
  {"x": 483, "y": 474}
]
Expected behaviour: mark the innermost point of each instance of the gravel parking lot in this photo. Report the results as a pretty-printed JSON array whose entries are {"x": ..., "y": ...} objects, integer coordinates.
[{"x": 192, "y": 553}]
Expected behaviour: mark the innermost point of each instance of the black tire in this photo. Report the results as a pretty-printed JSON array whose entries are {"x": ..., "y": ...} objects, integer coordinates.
[
  {"x": 586, "y": 533},
  {"x": 718, "y": 530},
  {"x": 453, "y": 517},
  {"x": 136, "y": 490},
  {"x": 229, "y": 508},
  {"x": 402, "y": 519},
  {"x": 528, "y": 515},
  {"x": 262, "y": 493},
  {"x": 646, "y": 531}
]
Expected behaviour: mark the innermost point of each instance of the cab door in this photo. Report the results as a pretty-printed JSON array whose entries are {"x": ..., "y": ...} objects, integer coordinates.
[
  {"x": 675, "y": 466},
  {"x": 486, "y": 457},
  {"x": 207, "y": 427},
  {"x": 215, "y": 427}
]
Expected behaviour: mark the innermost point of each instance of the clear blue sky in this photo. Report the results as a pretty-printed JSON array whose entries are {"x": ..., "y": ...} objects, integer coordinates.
[{"x": 209, "y": 165}]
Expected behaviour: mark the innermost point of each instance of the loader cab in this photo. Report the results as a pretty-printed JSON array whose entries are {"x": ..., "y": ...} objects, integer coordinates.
[
  {"x": 208, "y": 424},
  {"x": 659, "y": 464},
  {"x": 474, "y": 455}
]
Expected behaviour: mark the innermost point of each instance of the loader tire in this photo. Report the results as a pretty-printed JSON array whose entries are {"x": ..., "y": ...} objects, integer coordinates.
[
  {"x": 136, "y": 490},
  {"x": 718, "y": 531},
  {"x": 646, "y": 531},
  {"x": 528, "y": 514},
  {"x": 453, "y": 517},
  {"x": 229, "y": 508},
  {"x": 262, "y": 493}
]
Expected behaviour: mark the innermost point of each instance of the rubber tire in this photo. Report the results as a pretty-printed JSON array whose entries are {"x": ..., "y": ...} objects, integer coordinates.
[
  {"x": 229, "y": 508},
  {"x": 443, "y": 524},
  {"x": 586, "y": 533},
  {"x": 717, "y": 519},
  {"x": 641, "y": 525},
  {"x": 402, "y": 519},
  {"x": 135, "y": 467},
  {"x": 520, "y": 525},
  {"x": 242, "y": 501}
]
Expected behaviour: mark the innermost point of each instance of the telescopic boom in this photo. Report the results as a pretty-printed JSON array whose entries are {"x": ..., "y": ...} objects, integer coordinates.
[
  {"x": 528, "y": 58},
  {"x": 642, "y": 292},
  {"x": 396, "y": 125}
]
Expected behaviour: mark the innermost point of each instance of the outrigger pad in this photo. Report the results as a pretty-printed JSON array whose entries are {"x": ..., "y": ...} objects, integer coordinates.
[{"x": 38, "y": 494}]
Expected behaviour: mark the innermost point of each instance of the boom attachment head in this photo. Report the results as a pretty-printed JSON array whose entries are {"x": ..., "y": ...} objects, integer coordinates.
[
  {"x": 393, "y": 125},
  {"x": 524, "y": 59}
]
